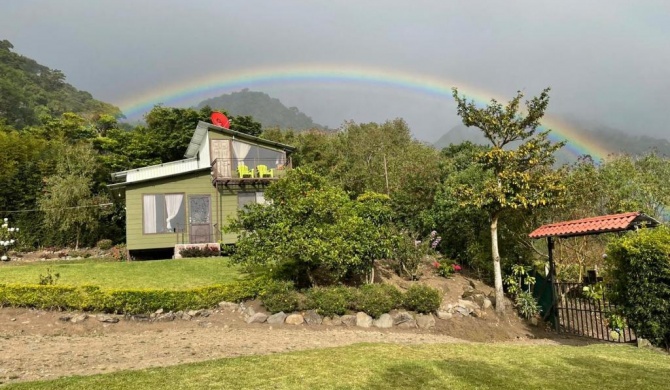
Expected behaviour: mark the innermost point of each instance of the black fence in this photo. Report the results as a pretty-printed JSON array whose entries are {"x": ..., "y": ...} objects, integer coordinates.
[{"x": 583, "y": 310}]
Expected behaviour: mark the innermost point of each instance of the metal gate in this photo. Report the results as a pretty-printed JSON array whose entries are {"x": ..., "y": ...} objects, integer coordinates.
[{"x": 582, "y": 314}]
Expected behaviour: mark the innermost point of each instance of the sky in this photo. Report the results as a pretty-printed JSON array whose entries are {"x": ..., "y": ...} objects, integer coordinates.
[{"x": 607, "y": 61}]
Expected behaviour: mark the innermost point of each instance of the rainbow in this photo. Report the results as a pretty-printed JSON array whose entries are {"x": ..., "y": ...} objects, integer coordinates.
[{"x": 218, "y": 83}]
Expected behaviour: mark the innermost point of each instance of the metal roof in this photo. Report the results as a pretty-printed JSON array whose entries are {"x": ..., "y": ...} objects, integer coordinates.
[
  {"x": 595, "y": 225},
  {"x": 203, "y": 127}
]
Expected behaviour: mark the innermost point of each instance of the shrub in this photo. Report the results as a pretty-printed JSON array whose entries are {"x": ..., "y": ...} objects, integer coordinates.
[
  {"x": 639, "y": 268},
  {"x": 104, "y": 244},
  {"x": 49, "y": 279},
  {"x": 422, "y": 299},
  {"x": 280, "y": 296},
  {"x": 124, "y": 301},
  {"x": 526, "y": 304},
  {"x": 120, "y": 253},
  {"x": 329, "y": 301},
  {"x": 200, "y": 252},
  {"x": 377, "y": 299}
]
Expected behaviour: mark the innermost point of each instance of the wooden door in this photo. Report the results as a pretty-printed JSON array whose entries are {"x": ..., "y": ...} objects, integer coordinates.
[
  {"x": 220, "y": 157},
  {"x": 200, "y": 219}
]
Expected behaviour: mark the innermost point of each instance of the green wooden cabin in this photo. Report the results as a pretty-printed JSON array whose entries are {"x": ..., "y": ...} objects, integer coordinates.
[{"x": 190, "y": 200}]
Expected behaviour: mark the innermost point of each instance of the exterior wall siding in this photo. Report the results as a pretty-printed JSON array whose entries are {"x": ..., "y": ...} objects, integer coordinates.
[{"x": 223, "y": 206}]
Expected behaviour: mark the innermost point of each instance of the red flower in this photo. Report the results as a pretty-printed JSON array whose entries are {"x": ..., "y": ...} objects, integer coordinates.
[
  {"x": 457, "y": 267},
  {"x": 436, "y": 264}
]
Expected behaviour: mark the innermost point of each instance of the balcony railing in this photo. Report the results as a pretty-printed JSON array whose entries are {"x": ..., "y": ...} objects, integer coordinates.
[{"x": 252, "y": 170}]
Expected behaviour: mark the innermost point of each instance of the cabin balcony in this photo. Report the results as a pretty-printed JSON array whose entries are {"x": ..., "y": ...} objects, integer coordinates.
[{"x": 250, "y": 171}]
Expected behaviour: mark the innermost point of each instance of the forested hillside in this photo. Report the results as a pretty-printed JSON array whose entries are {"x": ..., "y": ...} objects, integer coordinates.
[
  {"x": 30, "y": 93},
  {"x": 270, "y": 112},
  {"x": 611, "y": 139}
]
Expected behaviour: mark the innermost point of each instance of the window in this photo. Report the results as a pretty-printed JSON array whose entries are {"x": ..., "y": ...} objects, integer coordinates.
[
  {"x": 163, "y": 213},
  {"x": 254, "y": 155},
  {"x": 245, "y": 198}
]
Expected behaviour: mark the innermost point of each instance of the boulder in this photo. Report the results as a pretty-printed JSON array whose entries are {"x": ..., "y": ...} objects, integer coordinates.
[
  {"x": 384, "y": 321},
  {"x": 348, "y": 320},
  {"x": 159, "y": 311},
  {"x": 277, "y": 318},
  {"x": 257, "y": 318},
  {"x": 108, "y": 319},
  {"x": 312, "y": 318},
  {"x": 487, "y": 304},
  {"x": 248, "y": 311},
  {"x": 228, "y": 306},
  {"x": 411, "y": 324},
  {"x": 401, "y": 317},
  {"x": 363, "y": 320},
  {"x": 79, "y": 318},
  {"x": 444, "y": 315},
  {"x": 186, "y": 317},
  {"x": 425, "y": 321},
  {"x": 468, "y": 304},
  {"x": 194, "y": 313},
  {"x": 643, "y": 343},
  {"x": 332, "y": 321},
  {"x": 166, "y": 317},
  {"x": 294, "y": 319}
]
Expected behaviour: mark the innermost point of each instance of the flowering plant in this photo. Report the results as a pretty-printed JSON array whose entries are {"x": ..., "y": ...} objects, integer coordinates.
[
  {"x": 446, "y": 269},
  {"x": 7, "y": 239}
]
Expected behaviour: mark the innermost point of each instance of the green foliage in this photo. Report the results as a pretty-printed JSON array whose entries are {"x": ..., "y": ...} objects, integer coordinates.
[
  {"x": 422, "y": 299},
  {"x": 266, "y": 110},
  {"x": 104, "y": 244},
  {"x": 311, "y": 233},
  {"x": 49, "y": 279},
  {"x": 200, "y": 252},
  {"x": 93, "y": 298},
  {"x": 526, "y": 304},
  {"x": 377, "y": 299},
  {"x": 30, "y": 92},
  {"x": 329, "y": 301},
  {"x": 280, "y": 296},
  {"x": 639, "y": 269}
]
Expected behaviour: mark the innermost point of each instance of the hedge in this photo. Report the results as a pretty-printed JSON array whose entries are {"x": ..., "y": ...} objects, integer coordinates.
[{"x": 93, "y": 298}]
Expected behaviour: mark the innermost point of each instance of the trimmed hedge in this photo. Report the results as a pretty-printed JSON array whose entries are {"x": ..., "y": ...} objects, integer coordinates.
[
  {"x": 93, "y": 298},
  {"x": 373, "y": 299}
]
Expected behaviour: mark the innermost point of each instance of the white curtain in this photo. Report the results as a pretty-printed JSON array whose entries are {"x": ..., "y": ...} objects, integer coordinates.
[
  {"x": 241, "y": 150},
  {"x": 149, "y": 213},
  {"x": 173, "y": 205}
]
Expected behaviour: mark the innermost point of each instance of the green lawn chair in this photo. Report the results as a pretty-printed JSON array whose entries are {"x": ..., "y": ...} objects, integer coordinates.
[
  {"x": 263, "y": 171},
  {"x": 244, "y": 172}
]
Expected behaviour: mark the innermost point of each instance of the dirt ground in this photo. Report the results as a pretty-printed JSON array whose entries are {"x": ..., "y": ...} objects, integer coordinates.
[{"x": 37, "y": 344}]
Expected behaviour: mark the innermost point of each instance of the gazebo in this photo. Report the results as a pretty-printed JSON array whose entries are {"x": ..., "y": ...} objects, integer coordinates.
[{"x": 613, "y": 223}]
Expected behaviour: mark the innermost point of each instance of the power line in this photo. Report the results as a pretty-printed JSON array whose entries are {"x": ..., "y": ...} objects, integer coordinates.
[{"x": 56, "y": 208}]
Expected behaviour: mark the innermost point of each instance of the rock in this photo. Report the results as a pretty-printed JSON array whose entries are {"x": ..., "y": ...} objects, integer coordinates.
[
  {"x": 444, "y": 315},
  {"x": 363, "y": 320},
  {"x": 79, "y": 318},
  {"x": 477, "y": 313},
  {"x": 248, "y": 311},
  {"x": 294, "y": 319},
  {"x": 166, "y": 317},
  {"x": 257, "y": 318},
  {"x": 194, "y": 313},
  {"x": 332, "y": 321},
  {"x": 228, "y": 306},
  {"x": 159, "y": 311},
  {"x": 487, "y": 304},
  {"x": 401, "y": 317},
  {"x": 384, "y": 321},
  {"x": 312, "y": 318},
  {"x": 348, "y": 320},
  {"x": 425, "y": 321},
  {"x": 643, "y": 343},
  {"x": 463, "y": 311},
  {"x": 186, "y": 317},
  {"x": 534, "y": 321},
  {"x": 468, "y": 304},
  {"x": 205, "y": 313},
  {"x": 12, "y": 319},
  {"x": 411, "y": 324},
  {"x": 277, "y": 318},
  {"x": 109, "y": 319},
  {"x": 65, "y": 318}
]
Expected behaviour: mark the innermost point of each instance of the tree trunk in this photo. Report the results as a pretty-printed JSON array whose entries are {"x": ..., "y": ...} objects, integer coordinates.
[
  {"x": 76, "y": 244},
  {"x": 497, "y": 272}
]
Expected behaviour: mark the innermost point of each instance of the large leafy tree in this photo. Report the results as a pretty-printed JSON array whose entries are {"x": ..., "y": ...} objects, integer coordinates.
[
  {"x": 312, "y": 233},
  {"x": 68, "y": 203},
  {"x": 518, "y": 164}
]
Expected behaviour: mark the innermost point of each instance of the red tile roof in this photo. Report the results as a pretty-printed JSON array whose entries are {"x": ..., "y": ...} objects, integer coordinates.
[{"x": 595, "y": 225}]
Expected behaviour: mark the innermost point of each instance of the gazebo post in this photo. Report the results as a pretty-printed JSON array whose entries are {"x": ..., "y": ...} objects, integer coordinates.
[{"x": 552, "y": 280}]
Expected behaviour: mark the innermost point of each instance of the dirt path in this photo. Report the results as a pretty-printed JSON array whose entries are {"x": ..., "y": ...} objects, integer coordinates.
[{"x": 39, "y": 345}]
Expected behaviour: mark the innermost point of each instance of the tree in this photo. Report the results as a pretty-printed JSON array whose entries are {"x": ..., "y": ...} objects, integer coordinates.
[
  {"x": 519, "y": 178},
  {"x": 68, "y": 203},
  {"x": 312, "y": 233}
]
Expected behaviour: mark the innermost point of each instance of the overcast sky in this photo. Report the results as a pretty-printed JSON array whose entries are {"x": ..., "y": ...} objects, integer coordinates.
[{"x": 607, "y": 61}]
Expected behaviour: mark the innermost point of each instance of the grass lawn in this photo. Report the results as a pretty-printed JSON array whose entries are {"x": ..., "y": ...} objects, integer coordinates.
[
  {"x": 380, "y": 366},
  {"x": 167, "y": 274}
]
